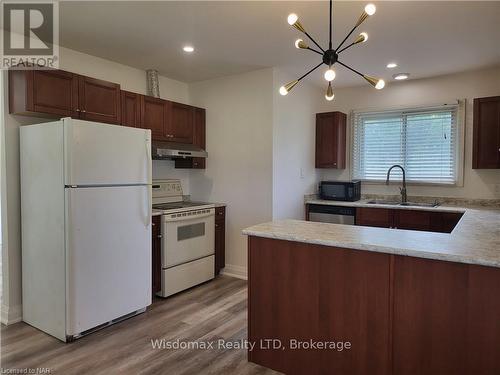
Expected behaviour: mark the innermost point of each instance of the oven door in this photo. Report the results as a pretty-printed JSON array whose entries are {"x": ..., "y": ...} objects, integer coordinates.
[{"x": 188, "y": 236}]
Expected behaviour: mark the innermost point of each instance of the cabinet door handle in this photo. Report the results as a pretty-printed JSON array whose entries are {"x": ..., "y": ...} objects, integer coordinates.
[
  {"x": 77, "y": 110},
  {"x": 160, "y": 236},
  {"x": 83, "y": 111}
]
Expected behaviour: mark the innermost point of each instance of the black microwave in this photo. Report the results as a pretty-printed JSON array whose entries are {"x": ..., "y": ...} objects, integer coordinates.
[{"x": 340, "y": 190}]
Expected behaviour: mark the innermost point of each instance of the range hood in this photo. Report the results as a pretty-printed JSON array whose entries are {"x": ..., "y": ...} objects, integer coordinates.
[{"x": 173, "y": 150}]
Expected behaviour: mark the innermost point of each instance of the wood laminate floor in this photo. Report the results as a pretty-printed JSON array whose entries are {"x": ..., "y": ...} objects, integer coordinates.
[{"x": 212, "y": 311}]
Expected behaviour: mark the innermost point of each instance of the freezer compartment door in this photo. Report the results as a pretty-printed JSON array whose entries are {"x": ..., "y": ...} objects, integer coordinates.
[
  {"x": 108, "y": 261},
  {"x": 101, "y": 154}
]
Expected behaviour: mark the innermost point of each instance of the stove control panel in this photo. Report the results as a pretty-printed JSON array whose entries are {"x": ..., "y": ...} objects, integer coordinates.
[{"x": 165, "y": 191}]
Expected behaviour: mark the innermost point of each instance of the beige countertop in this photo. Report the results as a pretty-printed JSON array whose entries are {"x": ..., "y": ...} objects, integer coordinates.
[
  {"x": 364, "y": 203},
  {"x": 475, "y": 239},
  {"x": 156, "y": 212}
]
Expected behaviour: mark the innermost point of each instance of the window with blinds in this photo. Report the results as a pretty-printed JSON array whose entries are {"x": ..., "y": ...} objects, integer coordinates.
[{"x": 423, "y": 141}]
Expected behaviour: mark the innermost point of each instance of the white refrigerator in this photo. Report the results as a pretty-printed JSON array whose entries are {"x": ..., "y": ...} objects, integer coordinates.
[{"x": 86, "y": 225}]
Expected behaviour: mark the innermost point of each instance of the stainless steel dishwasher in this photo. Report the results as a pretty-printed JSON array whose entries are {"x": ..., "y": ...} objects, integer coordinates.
[{"x": 332, "y": 214}]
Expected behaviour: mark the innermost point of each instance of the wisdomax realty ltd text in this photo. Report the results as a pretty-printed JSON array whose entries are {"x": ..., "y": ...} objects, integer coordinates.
[{"x": 262, "y": 344}]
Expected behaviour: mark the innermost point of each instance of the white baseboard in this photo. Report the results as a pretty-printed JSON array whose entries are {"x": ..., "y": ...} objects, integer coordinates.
[
  {"x": 232, "y": 270},
  {"x": 11, "y": 314}
]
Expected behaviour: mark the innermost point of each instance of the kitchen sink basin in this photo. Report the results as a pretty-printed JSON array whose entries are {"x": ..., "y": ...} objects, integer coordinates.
[
  {"x": 396, "y": 203},
  {"x": 390, "y": 203},
  {"x": 435, "y": 204}
]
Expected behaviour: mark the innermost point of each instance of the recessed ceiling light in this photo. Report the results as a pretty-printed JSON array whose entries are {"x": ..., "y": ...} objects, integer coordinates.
[
  {"x": 401, "y": 76},
  {"x": 188, "y": 48},
  {"x": 392, "y": 65}
]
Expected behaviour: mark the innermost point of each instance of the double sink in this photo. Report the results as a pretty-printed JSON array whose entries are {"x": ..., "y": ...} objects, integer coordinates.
[{"x": 395, "y": 203}]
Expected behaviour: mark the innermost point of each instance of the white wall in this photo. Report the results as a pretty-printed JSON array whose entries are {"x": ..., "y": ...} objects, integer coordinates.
[
  {"x": 130, "y": 79},
  {"x": 468, "y": 85},
  {"x": 239, "y": 131},
  {"x": 294, "y": 132}
]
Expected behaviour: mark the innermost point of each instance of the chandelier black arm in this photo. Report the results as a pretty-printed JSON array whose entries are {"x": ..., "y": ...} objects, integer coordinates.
[
  {"x": 347, "y": 36},
  {"x": 310, "y": 71},
  {"x": 346, "y": 47},
  {"x": 351, "y": 69},
  {"x": 316, "y": 51},
  {"x": 312, "y": 40}
]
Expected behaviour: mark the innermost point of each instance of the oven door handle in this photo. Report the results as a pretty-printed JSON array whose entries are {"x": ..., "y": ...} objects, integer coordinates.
[{"x": 169, "y": 218}]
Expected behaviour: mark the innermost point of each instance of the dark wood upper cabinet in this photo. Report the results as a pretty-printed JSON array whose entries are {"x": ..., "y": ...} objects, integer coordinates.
[
  {"x": 155, "y": 116},
  {"x": 46, "y": 93},
  {"x": 56, "y": 94},
  {"x": 180, "y": 126},
  {"x": 99, "y": 100},
  {"x": 131, "y": 109},
  {"x": 199, "y": 134},
  {"x": 330, "y": 140},
  {"x": 486, "y": 138}
]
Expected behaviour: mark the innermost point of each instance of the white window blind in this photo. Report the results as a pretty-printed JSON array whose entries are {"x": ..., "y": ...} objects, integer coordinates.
[{"x": 423, "y": 141}]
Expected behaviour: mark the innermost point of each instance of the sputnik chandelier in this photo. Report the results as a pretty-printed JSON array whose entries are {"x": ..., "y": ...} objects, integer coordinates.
[{"x": 331, "y": 55}]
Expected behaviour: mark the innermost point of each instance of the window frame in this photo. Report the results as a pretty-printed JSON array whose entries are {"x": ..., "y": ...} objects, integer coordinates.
[{"x": 459, "y": 146}]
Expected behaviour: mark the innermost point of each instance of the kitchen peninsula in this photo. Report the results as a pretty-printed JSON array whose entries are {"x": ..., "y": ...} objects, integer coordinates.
[{"x": 408, "y": 302}]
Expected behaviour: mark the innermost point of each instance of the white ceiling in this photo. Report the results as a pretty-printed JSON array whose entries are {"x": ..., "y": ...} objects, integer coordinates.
[{"x": 230, "y": 37}]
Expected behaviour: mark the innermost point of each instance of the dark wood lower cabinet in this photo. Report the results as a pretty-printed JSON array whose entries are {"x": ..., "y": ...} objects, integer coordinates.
[
  {"x": 220, "y": 239},
  {"x": 156, "y": 256},
  {"x": 309, "y": 292},
  {"x": 402, "y": 315},
  {"x": 430, "y": 309},
  {"x": 374, "y": 217},
  {"x": 446, "y": 318},
  {"x": 431, "y": 221}
]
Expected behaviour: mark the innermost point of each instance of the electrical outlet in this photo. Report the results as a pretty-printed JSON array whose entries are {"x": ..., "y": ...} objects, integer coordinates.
[
  {"x": 301, "y": 173},
  {"x": 496, "y": 189}
]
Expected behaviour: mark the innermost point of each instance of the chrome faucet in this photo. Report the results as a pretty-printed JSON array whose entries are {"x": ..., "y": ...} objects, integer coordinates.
[{"x": 404, "y": 198}]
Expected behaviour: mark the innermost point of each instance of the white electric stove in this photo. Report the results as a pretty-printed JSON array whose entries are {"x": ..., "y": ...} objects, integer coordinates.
[{"x": 188, "y": 238}]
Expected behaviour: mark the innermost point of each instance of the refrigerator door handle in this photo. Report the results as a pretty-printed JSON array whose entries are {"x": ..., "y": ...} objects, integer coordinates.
[
  {"x": 149, "y": 193},
  {"x": 149, "y": 219},
  {"x": 148, "y": 158}
]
